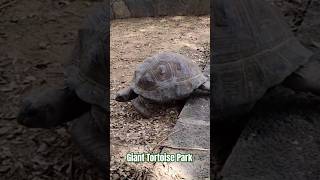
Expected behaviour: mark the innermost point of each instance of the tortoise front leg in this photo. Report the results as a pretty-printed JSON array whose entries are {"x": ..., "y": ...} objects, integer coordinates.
[
  {"x": 306, "y": 78},
  {"x": 143, "y": 106},
  {"x": 89, "y": 133},
  {"x": 203, "y": 90}
]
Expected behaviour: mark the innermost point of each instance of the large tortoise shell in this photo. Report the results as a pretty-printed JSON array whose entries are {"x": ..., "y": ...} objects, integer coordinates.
[
  {"x": 88, "y": 69},
  {"x": 254, "y": 50},
  {"x": 167, "y": 76}
]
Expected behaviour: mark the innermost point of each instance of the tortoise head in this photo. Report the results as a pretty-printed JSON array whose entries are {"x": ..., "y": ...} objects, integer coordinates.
[
  {"x": 35, "y": 115},
  {"x": 126, "y": 94},
  {"x": 49, "y": 107}
]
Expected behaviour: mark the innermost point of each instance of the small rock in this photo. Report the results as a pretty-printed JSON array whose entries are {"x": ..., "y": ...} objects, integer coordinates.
[
  {"x": 115, "y": 176},
  {"x": 3, "y": 131},
  {"x": 4, "y": 169},
  {"x": 10, "y": 136},
  {"x": 63, "y": 2},
  {"x": 43, "y": 45},
  {"x": 3, "y": 35},
  {"x": 14, "y": 19},
  {"x": 31, "y": 15},
  {"x": 42, "y": 147},
  {"x": 50, "y": 140},
  {"x": 87, "y": 3},
  {"x": 295, "y": 142},
  {"x": 29, "y": 79},
  {"x": 10, "y": 87}
]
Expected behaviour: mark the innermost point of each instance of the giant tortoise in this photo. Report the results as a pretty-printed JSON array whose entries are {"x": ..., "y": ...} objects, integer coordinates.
[
  {"x": 254, "y": 50},
  {"x": 84, "y": 98},
  {"x": 164, "y": 77}
]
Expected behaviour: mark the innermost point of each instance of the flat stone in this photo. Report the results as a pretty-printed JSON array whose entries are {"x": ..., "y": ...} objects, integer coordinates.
[
  {"x": 198, "y": 169},
  {"x": 192, "y": 134}
]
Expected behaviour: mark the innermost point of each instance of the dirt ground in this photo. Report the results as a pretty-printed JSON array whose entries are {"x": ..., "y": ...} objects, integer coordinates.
[{"x": 132, "y": 40}]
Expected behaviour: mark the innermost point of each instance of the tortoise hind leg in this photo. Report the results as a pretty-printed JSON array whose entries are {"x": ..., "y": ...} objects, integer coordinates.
[
  {"x": 89, "y": 133},
  {"x": 143, "y": 106},
  {"x": 306, "y": 78}
]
